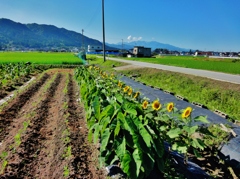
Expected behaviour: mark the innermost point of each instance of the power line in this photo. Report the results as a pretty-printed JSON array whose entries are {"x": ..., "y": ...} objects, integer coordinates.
[{"x": 94, "y": 16}]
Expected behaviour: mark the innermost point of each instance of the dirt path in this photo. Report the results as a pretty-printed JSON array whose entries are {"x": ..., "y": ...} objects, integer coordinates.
[{"x": 43, "y": 132}]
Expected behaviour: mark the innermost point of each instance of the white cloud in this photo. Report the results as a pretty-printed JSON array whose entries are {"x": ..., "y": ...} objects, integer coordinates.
[{"x": 131, "y": 38}]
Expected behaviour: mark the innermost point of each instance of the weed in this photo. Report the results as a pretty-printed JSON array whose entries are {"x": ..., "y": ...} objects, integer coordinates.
[
  {"x": 3, "y": 157},
  {"x": 4, "y": 165},
  {"x": 17, "y": 138},
  {"x": 66, "y": 171}
]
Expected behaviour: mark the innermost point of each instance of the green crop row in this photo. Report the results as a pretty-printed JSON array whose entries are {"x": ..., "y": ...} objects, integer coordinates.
[
  {"x": 132, "y": 130},
  {"x": 40, "y": 58}
]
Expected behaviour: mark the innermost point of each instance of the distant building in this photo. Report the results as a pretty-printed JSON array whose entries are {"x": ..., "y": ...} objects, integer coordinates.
[
  {"x": 98, "y": 48},
  {"x": 94, "y": 48},
  {"x": 141, "y": 51}
]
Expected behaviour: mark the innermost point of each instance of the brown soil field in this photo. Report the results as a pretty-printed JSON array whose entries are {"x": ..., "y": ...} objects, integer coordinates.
[{"x": 43, "y": 132}]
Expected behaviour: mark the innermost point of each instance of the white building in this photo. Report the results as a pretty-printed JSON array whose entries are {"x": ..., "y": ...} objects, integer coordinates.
[{"x": 94, "y": 48}]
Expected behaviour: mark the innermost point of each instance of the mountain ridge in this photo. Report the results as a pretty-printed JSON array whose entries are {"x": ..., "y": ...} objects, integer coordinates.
[
  {"x": 35, "y": 35},
  {"x": 40, "y": 36}
]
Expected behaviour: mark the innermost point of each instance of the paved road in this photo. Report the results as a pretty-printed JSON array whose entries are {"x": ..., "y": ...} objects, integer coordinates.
[{"x": 203, "y": 73}]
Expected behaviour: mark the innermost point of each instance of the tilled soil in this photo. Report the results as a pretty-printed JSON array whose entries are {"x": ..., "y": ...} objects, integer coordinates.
[{"x": 43, "y": 132}]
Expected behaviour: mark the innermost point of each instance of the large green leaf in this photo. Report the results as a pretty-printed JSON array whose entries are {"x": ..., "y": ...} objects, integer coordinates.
[
  {"x": 121, "y": 147},
  {"x": 121, "y": 118},
  {"x": 148, "y": 162},
  {"x": 90, "y": 135},
  {"x": 139, "y": 143},
  {"x": 138, "y": 160},
  {"x": 190, "y": 130},
  {"x": 201, "y": 119},
  {"x": 130, "y": 124},
  {"x": 91, "y": 122},
  {"x": 96, "y": 133},
  {"x": 146, "y": 136},
  {"x": 119, "y": 98},
  {"x": 110, "y": 157},
  {"x": 108, "y": 111},
  {"x": 105, "y": 124},
  {"x": 181, "y": 148},
  {"x": 130, "y": 108},
  {"x": 117, "y": 129},
  {"x": 197, "y": 143},
  {"x": 143, "y": 132},
  {"x": 173, "y": 133},
  {"x": 96, "y": 107},
  {"x": 129, "y": 139},
  {"x": 131, "y": 111},
  {"x": 105, "y": 139},
  {"x": 128, "y": 165},
  {"x": 159, "y": 147}
]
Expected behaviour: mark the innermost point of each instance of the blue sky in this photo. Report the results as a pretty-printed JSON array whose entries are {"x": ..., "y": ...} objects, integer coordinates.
[{"x": 195, "y": 24}]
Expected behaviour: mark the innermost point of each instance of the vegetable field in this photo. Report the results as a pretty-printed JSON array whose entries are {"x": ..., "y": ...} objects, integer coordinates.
[
  {"x": 43, "y": 132},
  {"x": 72, "y": 123}
]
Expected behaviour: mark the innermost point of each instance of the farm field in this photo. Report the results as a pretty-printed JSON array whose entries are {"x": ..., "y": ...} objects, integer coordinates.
[
  {"x": 43, "y": 131},
  {"x": 231, "y": 66},
  {"x": 40, "y": 58}
]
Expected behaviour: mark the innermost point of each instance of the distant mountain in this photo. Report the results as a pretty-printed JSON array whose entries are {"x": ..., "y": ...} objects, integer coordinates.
[
  {"x": 153, "y": 45},
  {"x": 34, "y": 35}
]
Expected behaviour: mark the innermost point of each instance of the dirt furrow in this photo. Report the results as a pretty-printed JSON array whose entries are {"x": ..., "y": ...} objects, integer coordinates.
[
  {"x": 50, "y": 161},
  {"x": 8, "y": 114},
  {"x": 84, "y": 163},
  {"x": 23, "y": 161},
  {"x": 52, "y": 133}
]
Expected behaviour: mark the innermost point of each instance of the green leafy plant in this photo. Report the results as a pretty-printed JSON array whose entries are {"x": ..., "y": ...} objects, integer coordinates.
[
  {"x": 130, "y": 129},
  {"x": 3, "y": 158},
  {"x": 66, "y": 171}
]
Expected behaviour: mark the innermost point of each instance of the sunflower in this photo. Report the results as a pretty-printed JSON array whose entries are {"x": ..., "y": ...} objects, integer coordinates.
[
  {"x": 119, "y": 83},
  {"x": 186, "y": 112},
  {"x": 170, "y": 107},
  {"x": 126, "y": 89},
  {"x": 156, "y": 105},
  {"x": 136, "y": 94},
  {"x": 90, "y": 67},
  {"x": 145, "y": 104},
  {"x": 130, "y": 91}
]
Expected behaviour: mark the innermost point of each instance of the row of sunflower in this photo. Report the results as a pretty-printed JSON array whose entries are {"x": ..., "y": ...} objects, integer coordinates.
[{"x": 132, "y": 130}]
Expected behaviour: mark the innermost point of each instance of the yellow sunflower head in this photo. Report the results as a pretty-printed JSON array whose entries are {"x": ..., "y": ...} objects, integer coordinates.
[
  {"x": 119, "y": 83},
  {"x": 187, "y": 112},
  {"x": 125, "y": 89},
  {"x": 136, "y": 94},
  {"x": 130, "y": 91},
  {"x": 170, "y": 107},
  {"x": 90, "y": 67},
  {"x": 145, "y": 104},
  {"x": 156, "y": 105}
]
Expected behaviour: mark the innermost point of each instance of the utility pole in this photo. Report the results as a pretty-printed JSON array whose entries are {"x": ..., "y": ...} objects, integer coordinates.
[
  {"x": 82, "y": 40},
  {"x": 103, "y": 27}
]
